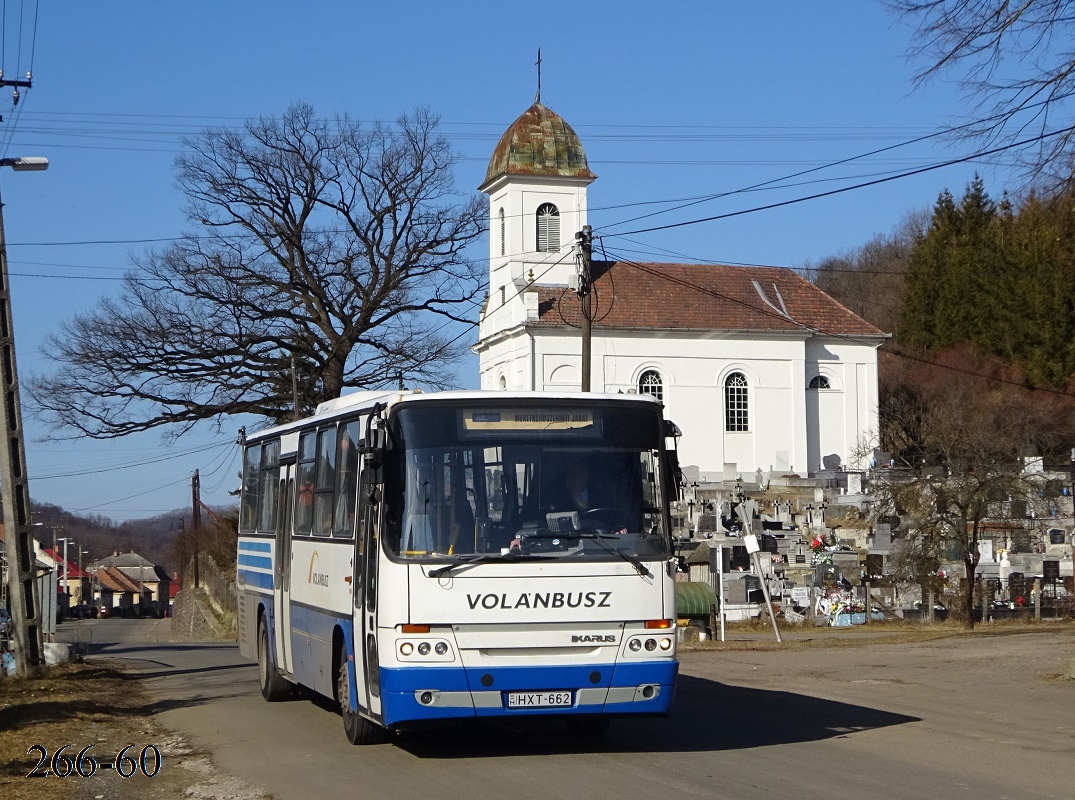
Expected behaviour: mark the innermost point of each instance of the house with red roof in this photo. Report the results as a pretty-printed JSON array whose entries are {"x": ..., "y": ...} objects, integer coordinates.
[
  {"x": 761, "y": 370},
  {"x": 128, "y": 584},
  {"x": 71, "y": 579}
]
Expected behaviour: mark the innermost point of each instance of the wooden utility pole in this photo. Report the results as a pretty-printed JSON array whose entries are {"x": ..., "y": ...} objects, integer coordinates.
[
  {"x": 196, "y": 522},
  {"x": 583, "y": 255}
]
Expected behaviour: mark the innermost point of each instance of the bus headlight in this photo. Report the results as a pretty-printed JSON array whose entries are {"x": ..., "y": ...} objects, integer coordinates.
[
  {"x": 666, "y": 644},
  {"x": 634, "y": 645},
  {"x": 651, "y": 644},
  {"x": 441, "y": 648},
  {"x": 406, "y": 649},
  {"x": 423, "y": 649}
]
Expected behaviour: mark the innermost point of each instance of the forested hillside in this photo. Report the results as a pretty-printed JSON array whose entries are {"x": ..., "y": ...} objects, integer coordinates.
[
  {"x": 979, "y": 297},
  {"x": 998, "y": 276}
]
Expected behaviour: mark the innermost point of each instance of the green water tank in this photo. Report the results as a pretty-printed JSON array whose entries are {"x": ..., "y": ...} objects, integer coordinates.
[{"x": 694, "y": 599}]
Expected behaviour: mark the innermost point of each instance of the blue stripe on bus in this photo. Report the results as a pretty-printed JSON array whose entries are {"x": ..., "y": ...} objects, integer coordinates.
[
  {"x": 256, "y": 547},
  {"x": 398, "y": 686},
  {"x": 263, "y": 580},
  {"x": 264, "y": 562}
]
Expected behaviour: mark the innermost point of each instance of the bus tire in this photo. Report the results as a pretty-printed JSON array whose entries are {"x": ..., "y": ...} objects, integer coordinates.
[
  {"x": 588, "y": 728},
  {"x": 273, "y": 686},
  {"x": 358, "y": 729}
]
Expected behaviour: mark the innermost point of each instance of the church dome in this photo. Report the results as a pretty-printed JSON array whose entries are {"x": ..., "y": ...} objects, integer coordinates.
[{"x": 541, "y": 143}]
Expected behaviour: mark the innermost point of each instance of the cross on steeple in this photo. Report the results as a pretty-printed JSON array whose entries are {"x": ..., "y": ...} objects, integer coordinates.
[{"x": 537, "y": 99}]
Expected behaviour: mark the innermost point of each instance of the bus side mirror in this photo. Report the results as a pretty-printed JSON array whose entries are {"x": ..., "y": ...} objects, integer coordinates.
[{"x": 671, "y": 454}]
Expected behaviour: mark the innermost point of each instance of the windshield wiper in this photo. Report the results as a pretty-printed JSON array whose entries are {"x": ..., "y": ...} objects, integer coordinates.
[
  {"x": 630, "y": 558},
  {"x": 487, "y": 558}
]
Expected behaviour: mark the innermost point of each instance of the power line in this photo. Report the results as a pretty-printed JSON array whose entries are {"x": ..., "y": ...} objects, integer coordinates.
[
  {"x": 908, "y": 174},
  {"x": 132, "y": 464}
]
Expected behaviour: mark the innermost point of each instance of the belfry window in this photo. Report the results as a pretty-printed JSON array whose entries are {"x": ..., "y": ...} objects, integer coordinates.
[
  {"x": 503, "y": 234},
  {"x": 548, "y": 228},
  {"x": 819, "y": 382},
  {"x": 650, "y": 383},
  {"x": 736, "y": 406}
]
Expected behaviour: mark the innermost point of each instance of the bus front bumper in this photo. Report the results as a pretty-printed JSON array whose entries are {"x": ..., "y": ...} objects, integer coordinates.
[{"x": 418, "y": 694}]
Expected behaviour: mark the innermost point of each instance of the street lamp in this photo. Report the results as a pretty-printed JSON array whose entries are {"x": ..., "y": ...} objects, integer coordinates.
[
  {"x": 26, "y": 163},
  {"x": 14, "y": 493}
]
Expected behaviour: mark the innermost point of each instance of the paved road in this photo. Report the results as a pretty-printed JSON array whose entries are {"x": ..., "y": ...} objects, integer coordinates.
[{"x": 980, "y": 717}]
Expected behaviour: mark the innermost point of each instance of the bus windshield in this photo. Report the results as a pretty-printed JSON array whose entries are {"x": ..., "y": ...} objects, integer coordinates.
[{"x": 559, "y": 483}]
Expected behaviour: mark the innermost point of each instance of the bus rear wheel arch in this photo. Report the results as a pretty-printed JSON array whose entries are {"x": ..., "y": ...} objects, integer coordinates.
[{"x": 273, "y": 686}]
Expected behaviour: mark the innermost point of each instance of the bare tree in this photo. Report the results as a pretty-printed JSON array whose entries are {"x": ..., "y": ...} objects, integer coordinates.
[
  {"x": 330, "y": 255},
  {"x": 958, "y": 442},
  {"x": 1017, "y": 61},
  {"x": 870, "y": 279}
]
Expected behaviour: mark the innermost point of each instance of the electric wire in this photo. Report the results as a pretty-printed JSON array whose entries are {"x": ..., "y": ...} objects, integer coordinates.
[
  {"x": 128, "y": 465},
  {"x": 854, "y": 187}
]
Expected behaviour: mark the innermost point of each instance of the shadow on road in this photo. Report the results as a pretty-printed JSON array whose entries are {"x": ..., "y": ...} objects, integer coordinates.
[{"x": 707, "y": 716}]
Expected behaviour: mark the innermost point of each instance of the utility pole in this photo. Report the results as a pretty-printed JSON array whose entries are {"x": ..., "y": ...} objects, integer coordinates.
[
  {"x": 81, "y": 576},
  {"x": 196, "y": 521},
  {"x": 583, "y": 254},
  {"x": 14, "y": 492}
]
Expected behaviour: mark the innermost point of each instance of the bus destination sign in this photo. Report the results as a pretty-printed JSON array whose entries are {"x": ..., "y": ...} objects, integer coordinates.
[{"x": 527, "y": 419}]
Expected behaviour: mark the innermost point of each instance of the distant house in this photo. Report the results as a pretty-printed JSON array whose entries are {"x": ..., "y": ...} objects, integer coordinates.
[
  {"x": 72, "y": 581},
  {"x": 127, "y": 580},
  {"x": 116, "y": 591}
]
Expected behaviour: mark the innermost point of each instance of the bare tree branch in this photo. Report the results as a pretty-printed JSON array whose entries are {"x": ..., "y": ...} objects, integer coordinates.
[
  {"x": 331, "y": 246},
  {"x": 1016, "y": 60}
]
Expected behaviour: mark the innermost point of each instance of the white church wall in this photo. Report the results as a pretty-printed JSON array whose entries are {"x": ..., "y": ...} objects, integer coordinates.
[
  {"x": 846, "y": 413},
  {"x": 509, "y": 358},
  {"x": 693, "y": 390},
  {"x": 520, "y": 198}
]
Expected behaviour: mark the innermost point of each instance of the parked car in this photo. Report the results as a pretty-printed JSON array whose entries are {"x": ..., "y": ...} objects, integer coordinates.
[
  {"x": 7, "y": 628},
  {"x": 81, "y": 611},
  {"x": 104, "y": 613}
]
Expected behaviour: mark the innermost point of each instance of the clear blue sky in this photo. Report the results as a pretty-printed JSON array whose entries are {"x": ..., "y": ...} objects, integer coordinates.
[{"x": 670, "y": 103}]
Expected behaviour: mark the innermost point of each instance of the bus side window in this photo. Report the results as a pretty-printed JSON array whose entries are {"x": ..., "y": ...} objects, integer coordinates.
[
  {"x": 304, "y": 485},
  {"x": 269, "y": 485},
  {"x": 346, "y": 481},
  {"x": 248, "y": 516},
  {"x": 325, "y": 481}
]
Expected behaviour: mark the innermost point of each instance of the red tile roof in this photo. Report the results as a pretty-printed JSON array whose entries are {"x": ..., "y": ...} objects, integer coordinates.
[
  {"x": 73, "y": 572},
  {"x": 112, "y": 578},
  {"x": 702, "y": 297}
]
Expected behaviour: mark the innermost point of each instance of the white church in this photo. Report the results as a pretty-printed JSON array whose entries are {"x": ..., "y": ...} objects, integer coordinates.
[{"x": 760, "y": 369}]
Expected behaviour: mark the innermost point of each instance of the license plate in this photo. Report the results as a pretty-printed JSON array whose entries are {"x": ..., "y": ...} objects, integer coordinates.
[{"x": 539, "y": 699}]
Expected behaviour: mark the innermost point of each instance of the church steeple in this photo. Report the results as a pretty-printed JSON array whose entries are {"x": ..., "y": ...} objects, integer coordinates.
[
  {"x": 541, "y": 143},
  {"x": 536, "y": 182}
]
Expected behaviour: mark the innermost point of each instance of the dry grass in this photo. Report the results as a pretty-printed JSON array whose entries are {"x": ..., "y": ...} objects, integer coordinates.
[{"x": 78, "y": 705}]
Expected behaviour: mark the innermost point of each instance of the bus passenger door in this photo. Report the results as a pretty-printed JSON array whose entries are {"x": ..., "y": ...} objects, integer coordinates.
[
  {"x": 282, "y": 572},
  {"x": 367, "y": 680}
]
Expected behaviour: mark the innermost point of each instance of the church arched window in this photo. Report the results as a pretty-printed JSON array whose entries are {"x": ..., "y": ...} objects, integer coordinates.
[
  {"x": 503, "y": 234},
  {"x": 736, "y": 405},
  {"x": 503, "y": 384},
  {"x": 548, "y": 228},
  {"x": 819, "y": 382},
  {"x": 650, "y": 383}
]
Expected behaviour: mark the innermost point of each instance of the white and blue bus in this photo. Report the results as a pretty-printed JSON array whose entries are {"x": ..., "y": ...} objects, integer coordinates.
[{"x": 423, "y": 557}]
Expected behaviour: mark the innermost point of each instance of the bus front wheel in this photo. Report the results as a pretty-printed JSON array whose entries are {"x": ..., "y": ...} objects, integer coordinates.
[
  {"x": 359, "y": 730},
  {"x": 273, "y": 687}
]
